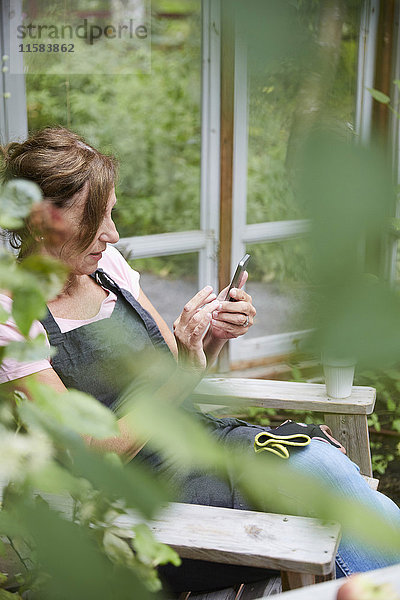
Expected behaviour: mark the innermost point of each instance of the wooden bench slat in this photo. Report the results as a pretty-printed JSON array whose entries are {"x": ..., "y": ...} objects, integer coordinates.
[
  {"x": 265, "y": 540},
  {"x": 260, "y": 589},
  {"x": 226, "y": 594},
  {"x": 284, "y": 395}
]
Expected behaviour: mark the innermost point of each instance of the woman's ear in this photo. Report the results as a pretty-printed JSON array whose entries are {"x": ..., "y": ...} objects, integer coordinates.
[{"x": 46, "y": 222}]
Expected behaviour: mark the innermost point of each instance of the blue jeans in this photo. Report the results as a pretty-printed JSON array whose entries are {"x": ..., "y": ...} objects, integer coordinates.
[
  {"x": 320, "y": 460},
  {"x": 328, "y": 464}
]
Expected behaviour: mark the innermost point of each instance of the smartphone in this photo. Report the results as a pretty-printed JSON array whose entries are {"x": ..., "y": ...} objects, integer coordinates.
[{"x": 242, "y": 264}]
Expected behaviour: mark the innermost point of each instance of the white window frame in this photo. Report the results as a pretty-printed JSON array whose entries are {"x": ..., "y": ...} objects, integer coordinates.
[
  {"x": 13, "y": 115},
  {"x": 205, "y": 241},
  {"x": 254, "y": 349},
  {"x": 394, "y": 238}
]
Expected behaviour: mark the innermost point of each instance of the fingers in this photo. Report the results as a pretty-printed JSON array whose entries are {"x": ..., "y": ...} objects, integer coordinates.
[
  {"x": 200, "y": 324},
  {"x": 238, "y": 319},
  {"x": 233, "y": 319},
  {"x": 236, "y": 312},
  {"x": 192, "y": 323},
  {"x": 243, "y": 279},
  {"x": 239, "y": 294},
  {"x": 329, "y": 434},
  {"x": 202, "y": 298}
]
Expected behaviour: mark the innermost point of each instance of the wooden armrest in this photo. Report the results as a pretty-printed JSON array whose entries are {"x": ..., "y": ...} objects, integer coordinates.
[
  {"x": 284, "y": 395},
  {"x": 240, "y": 537}
]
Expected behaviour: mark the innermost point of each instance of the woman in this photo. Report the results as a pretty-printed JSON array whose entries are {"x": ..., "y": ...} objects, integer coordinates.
[{"x": 74, "y": 223}]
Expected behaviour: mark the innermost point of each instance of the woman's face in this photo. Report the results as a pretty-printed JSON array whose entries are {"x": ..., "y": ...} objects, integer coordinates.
[{"x": 66, "y": 226}]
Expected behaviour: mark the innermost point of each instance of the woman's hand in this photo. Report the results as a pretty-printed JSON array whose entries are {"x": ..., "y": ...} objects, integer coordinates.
[
  {"x": 229, "y": 320},
  {"x": 191, "y": 326},
  {"x": 233, "y": 319}
]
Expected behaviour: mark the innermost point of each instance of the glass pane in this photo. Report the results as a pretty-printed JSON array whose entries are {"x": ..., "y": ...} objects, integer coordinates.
[
  {"x": 151, "y": 122},
  {"x": 168, "y": 281},
  {"x": 279, "y": 286},
  {"x": 285, "y": 96}
]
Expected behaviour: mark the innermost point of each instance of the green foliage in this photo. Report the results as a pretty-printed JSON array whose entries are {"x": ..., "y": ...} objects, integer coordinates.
[
  {"x": 90, "y": 554},
  {"x": 75, "y": 410},
  {"x": 379, "y": 96},
  {"x": 31, "y": 283},
  {"x": 386, "y": 415},
  {"x": 29, "y": 350},
  {"x": 380, "y": 460},
  {"x": 152, "y": 123},
  {"x": 45, "y": 452},
  {"x": 384, "y": 98},
  {"x": 157, "y": 139},
  {"x": 18, "y": 197}
]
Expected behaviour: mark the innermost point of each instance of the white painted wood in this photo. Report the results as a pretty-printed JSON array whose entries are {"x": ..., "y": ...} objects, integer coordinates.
[
  {"x": 393, "y": 241},
  {"x": 13, "y": 115},
  {"x": 366, "y": 67},
  {"x": 328, "y": 590},
  {"x": 163, "y": 244},
  {"x": 245, "y": 349},
  {"x": 210, "y": 142},
  {"x": 240, "y": 148},
  {"x": 248, "y": 538},
  {"x": 275, "y": 231},
  {"x": 285, "y": 395}
]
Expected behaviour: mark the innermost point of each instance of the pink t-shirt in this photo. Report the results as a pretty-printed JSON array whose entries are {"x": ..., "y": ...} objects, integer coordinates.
[{"x": 113, "y": 263}]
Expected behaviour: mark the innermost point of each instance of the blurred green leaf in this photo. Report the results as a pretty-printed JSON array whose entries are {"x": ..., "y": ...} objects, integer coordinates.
[
  {"x": 4, "y": 315},
  {"x": 379, "y": 96},
  {"x": 54, "y": 479},
  {"x": 4, "y": 595},
  {"x": 173, "y": 433},
  {"x": 391, "y": 405},
  {"x": 151, "y": 551},
  {"x": 396, "y": 424},
  {"x": 75, "y": 410},
  {"x": 175, "y": 438},
  {"x": 16, "y": 199},
  {"x": 135, "y": 484},
  {"x": 74, "y": 561},
  {"x": 28, "y": 305},
  {"x": 48, "y": 273},
  {"x": 118, "y": 550},
  {"x": 30, "y": 350},
  {"x": 355, "y": 314},
  {"x": 22, "y": 453}
]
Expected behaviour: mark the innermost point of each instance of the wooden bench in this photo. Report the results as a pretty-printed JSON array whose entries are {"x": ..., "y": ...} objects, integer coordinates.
[
  {"x": 347, "y": 418},
  {"x": 306, "y": 552},
  {"x": 302, "y": 548}
]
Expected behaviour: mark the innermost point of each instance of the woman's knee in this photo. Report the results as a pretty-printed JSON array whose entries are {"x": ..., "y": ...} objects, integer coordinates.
[{"x": 324, "y": 461}]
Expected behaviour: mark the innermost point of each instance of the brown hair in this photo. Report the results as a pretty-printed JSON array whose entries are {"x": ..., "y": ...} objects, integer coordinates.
[{"x": 62, "y": 164}]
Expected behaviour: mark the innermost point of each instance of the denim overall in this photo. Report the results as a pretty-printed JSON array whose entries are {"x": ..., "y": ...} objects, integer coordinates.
[{"x": 90, "y": 359}]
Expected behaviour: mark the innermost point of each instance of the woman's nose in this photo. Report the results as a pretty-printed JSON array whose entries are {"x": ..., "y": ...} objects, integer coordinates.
[{"x": 109, "y": 233}]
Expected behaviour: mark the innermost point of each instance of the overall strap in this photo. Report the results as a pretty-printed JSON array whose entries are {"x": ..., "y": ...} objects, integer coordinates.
[
  {"x": 151, "y": 326},
  {"x": 53, "y": 331}
]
